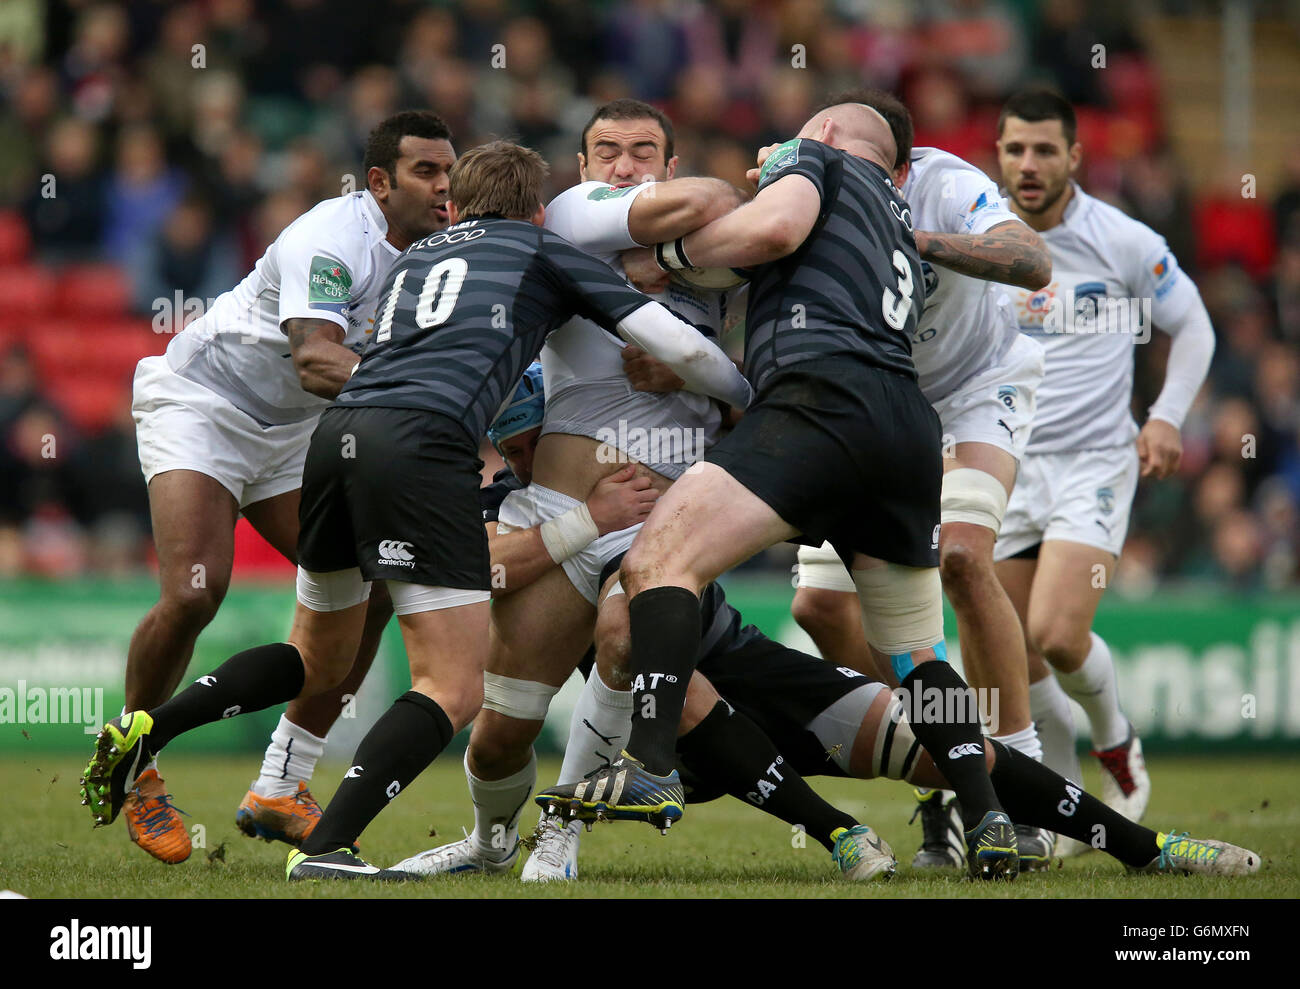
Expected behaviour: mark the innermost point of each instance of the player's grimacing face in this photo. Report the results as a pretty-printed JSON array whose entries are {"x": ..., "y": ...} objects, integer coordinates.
[
  {"x": 626, "y": 152},
  {"x": 518, "y": 452},
  {"x": 1036, "y": 162},
  {"x": 416, "y": 198}
]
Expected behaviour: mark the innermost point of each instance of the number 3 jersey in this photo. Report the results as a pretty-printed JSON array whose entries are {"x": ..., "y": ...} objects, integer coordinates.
[
  {"x": 968, "y": 324},
  {"x": 328, "y": 264},
  {"x": 466, "y": 310},
  {"x": 853, "y": 288}
]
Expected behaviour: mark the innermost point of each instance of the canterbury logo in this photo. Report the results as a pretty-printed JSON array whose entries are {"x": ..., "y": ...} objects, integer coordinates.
[
  {"x": 353, "y": 773},
  {"x": 392, "y": 550},
  {"x": 965, "y": 748}
]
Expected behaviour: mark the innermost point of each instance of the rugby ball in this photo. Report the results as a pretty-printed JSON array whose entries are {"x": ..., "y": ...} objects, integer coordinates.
[{"x": 710, "y": 279}]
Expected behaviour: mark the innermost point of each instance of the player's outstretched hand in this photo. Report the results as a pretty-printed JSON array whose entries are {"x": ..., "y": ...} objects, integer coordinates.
[
  {"x": 648, "y": 374},
  {"x": 643, "y": 271},
  {"x": 621, "y": 500},
  {"x": 1160, "y": 448}
]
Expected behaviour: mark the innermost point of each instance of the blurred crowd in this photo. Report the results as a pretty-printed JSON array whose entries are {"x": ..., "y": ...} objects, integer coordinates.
[{"x": 183, "y": 136}]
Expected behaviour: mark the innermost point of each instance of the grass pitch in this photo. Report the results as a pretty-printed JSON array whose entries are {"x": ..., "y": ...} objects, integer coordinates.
[{"x": 723, "y": 849}]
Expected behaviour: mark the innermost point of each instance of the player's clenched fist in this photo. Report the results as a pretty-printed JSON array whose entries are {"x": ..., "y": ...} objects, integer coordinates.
[
  {"x": 1160, "y": 448},
  {"x": 623, "y": 499}
]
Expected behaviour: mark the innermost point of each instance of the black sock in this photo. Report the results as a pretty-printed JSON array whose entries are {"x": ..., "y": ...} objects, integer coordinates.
[
  {"x": 1032, "y": 794},
  {"x": 394, "y": 752},
  {"x": 248, "y": 681},
  {"x": 949, "y": 730},
  {"x": 665, "y": 624},
  {"x": 727, "y": 749}
]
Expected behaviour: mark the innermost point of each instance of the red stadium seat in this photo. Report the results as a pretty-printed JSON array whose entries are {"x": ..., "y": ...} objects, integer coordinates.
[
  {"x": 89, "y": 403},
  {"x": 107, "y": 350},
  {"x": 93, "y": 290},
  {"x": 27, "y": 290},
  {"x": 15, "y": 238}
]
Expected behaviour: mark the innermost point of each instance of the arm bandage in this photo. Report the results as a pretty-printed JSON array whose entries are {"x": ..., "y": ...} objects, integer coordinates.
[{"x": 569, "y": 534}]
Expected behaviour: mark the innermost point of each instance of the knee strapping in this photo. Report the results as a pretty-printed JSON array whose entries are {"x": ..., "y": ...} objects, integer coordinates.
[
  {"x": 902, "y": 607},
  {"x": 896, "y": 751},
  {"x": 973, "y": 496},
  {"x": 527, "y": 700}
]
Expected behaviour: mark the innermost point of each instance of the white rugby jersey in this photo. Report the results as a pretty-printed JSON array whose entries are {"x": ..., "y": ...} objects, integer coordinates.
[
  {"x": 968, "y": 324},
  {"x": 587, "y": 392},
  {"x": 1112, "y": 278},
  {"x": 328, "y": 264}
]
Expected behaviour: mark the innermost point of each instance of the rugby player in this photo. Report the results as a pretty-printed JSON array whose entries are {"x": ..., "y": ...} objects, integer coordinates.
[
  {"x": 840, "y": 445},
  {"x": 981, "y": 376},
  {"x": 595, "y": 422},
  {"x": 390, "y": 492},
  {"x": 223, "y": 420},
  {"x": 1113, "y": 279},
  {"x": 760, "y": 716}
]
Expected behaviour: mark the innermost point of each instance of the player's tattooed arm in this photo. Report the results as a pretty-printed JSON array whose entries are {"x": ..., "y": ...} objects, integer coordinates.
[
  {"x": 1010, "y": 253},
  {"x": 322, "y": 362},
  {"x": 668, "y": 210}
]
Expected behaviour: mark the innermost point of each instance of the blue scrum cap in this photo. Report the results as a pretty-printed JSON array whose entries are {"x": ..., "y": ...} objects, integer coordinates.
[{"x": 525, "y": 409}]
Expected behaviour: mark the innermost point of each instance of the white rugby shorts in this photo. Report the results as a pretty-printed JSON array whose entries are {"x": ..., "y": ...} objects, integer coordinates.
[
  {"x": 531, "y": 506},
  {"x": 1080, "y": 496},
  {"x": 996, "y": 406},
  {"x": 181, "y": 425}
]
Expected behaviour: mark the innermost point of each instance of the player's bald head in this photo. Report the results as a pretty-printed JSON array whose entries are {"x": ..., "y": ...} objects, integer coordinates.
[{"x": 855, "y": 128}]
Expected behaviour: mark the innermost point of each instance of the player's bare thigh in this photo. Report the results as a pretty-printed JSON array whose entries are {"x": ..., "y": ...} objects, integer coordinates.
[
  {"x": 537, "y": 635},
  {"x": 704, "y": 525},
  {"x": 541, "y": 631},
  {"x": 276, "y": 521},
  {"x": 992, "y": 460},
  {"x": 193, "y": 519}
]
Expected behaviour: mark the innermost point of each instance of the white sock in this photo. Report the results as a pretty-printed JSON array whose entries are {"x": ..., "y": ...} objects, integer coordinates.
[
  {"x": 1025, "y": 740},
  {"x": 599, "y": 729},
  {"x": 497, "y": 806},
  {"x": 291, "y": 756},
  {"x": 1092, "y": 685},
  {"x": 1054, "y": 721}
]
